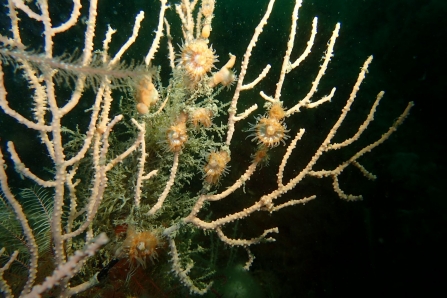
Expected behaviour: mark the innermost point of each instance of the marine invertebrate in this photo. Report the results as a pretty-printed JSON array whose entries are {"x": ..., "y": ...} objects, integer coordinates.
[
  {"x": 139, "y": 246},
  {"x": 269, "y": 132},
  {"x": 276, "y": 111},
  {"x": 197, "y": 59},
  {"x": 176, "y": 135},
  {"x": 216, "y": 166},
  {"x": 201, "y": 116},
  {"x": 146, "y": 95},
  {"x": 261, "y": 155},
  {"x": 225, "y": 75}
]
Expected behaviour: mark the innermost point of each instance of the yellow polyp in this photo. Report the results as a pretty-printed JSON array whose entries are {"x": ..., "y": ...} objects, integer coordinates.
[
  {"x": 201, "y": 116},
  {"x": 197, "y": 59},
  {"x": 177, "y": 136},
  {"x": 139, "y": 246},
  {"x": 270, "y": 132},
  {"x": 276, "y": 111},
  {"x": 215, "y": 167},
  {"x": 225, "y": 75}
]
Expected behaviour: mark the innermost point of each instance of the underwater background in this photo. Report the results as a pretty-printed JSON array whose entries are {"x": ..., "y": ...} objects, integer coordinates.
[{"x": 394, "y": 241}]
